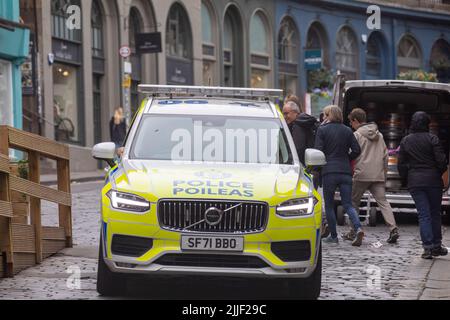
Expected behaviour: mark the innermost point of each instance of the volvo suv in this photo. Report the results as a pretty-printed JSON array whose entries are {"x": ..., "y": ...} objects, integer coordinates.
[{"x": 209, "y": 183}]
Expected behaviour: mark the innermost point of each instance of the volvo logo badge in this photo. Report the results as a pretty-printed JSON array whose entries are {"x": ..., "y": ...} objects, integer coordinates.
[{"x": 213, "y": 216}]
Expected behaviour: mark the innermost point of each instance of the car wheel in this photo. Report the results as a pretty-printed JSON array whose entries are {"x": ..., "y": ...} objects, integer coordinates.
[
  {"x": 108, "y": 283},
  {"x": 373, "y": 217},
  {"x": 446, "y": 216},
  {"x": 309, "y": 288},
  {"x": 340, "y": 216}
]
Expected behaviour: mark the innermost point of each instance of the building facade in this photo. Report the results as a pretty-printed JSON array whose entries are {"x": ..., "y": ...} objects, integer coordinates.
[
  {"x": 82, "y": 78},
  {"x": 14, "y": 42}
]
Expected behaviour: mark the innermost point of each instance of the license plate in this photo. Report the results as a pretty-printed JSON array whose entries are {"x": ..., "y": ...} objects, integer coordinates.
[{"x": 212, "y": 243}]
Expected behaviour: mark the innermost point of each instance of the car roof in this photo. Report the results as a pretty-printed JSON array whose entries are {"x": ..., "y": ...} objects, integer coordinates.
[
  {"x": 397, "y": 84},
  {"x": 212, "y": 106}
]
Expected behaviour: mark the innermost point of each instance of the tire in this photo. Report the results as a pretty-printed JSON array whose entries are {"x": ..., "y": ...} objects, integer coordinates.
[
  {"x": 309, "y": 288},
  {"x": 446, "y": 216},
  {"x": 109, "y": 283},
  {"x": 340, "y": 215},
  {"x": 373, "y": 217}
]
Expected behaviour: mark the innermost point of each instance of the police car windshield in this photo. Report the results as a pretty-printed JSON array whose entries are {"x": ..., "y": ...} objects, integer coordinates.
[{"x": 211, "y": 139}]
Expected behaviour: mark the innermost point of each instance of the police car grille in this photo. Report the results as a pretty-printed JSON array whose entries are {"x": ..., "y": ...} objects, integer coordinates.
[{"x": 178, "y": 215}]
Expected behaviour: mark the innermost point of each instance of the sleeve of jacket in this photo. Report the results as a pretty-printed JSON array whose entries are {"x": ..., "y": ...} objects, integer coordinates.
[
  {"x": 319, "y": 144},
  {"x": 402, "y": 163},
  {"x": 439, "y": 155},
  {"x": 355, "y": 148}
]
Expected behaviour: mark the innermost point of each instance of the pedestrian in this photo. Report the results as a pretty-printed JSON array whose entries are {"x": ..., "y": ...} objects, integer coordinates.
[
  {"x": 339, "y": 145},
  {"x": 421, "y": 163},
  {"x": 370, "y": 170},
  {"x": 117, "y": 128},
  {"x": 302, "y": 126}
]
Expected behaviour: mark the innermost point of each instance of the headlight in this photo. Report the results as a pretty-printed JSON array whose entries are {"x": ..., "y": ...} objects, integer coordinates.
[
  {"x": 297, "y": 207},
  {"x": 128, "y": 201}
]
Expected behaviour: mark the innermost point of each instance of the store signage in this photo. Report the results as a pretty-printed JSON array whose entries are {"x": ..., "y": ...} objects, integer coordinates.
[
  {"x": 313, "y": 59},
  {"x": 179, "y": 72},
  {"x": 148, "y": 42},
  {"x": 125, "y": 52}
]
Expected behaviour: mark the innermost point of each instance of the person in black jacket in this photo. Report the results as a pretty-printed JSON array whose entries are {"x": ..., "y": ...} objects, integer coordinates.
[
  {"x": 340, "y": 146},
  {"x": 302, "y": 126},
  {"x": 118, "y": 128},
  {"x": 421, "y": 163}
]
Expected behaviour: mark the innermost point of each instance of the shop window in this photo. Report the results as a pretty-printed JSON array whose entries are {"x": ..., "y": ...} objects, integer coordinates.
[
  {"x": 440, "y": 60},
  {"x": 67, "y": 118},
  {"x": 347, "y": 53},
  {"x": 6, "y": 90}
]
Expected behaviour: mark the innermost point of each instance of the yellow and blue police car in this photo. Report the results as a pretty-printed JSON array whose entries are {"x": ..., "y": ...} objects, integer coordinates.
[{"x": 209, "y": 183}]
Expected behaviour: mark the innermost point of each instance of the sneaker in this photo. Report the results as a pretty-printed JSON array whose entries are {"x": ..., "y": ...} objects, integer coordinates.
[
  {"x": 330, "y": 239},
  {"x": 350, "y": 236},
  {"x": 427, "y": 254},
  {"x": 442, "y": 251},
  {"x": 358, "y": 239},
  {"x": 393, "y": 236}
]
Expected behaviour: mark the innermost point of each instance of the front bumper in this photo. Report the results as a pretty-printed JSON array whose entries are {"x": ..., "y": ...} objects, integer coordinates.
[{"x": 257, "y": 245}]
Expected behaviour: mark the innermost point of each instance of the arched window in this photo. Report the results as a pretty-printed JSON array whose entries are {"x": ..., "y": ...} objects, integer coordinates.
[
  {"x": 374, "y": 56},
  {"x": 233, "y": 48},
  {"x": 209, "y": 45},
  {"x": 409, "y": 55},
  {"x": 60, "y": 15},
  {"x": 179, "y": 47},
  {"x": 347, "y": 53},
  {"x": 259, "y": 50},
  {"x": 179, "y": 38},
  {"x": 288, "y": 55},
  {"x": 440, "y": 60},
  {"x": 317, "y": 39}
]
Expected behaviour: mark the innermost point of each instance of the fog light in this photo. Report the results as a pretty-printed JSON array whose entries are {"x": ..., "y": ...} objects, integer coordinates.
[
  {"x": 125, "y": 265},
  {"x": 296, "y": 270}
]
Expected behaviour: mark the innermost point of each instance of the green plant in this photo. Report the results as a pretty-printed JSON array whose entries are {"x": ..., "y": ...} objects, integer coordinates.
[
  {"x": 320, "y": 79},
  {"x": 418, "y": 75},
  {"x": 23, "y": 169}
]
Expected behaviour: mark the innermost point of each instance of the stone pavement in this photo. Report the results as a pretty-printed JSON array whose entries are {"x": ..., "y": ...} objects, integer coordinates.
[{"x": 368, "y": 272}]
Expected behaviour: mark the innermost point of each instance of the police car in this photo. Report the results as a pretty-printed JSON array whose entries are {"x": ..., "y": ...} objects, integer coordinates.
[{"x": 209, "y": 183}]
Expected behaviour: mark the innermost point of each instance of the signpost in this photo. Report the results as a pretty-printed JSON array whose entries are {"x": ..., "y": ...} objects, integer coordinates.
[{"x": 125, "y": 53}]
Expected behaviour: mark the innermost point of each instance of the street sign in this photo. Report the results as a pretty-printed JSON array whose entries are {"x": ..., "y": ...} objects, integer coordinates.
[
  {"x": 148, "y": 42},
  {"x": 313, "y": 59},
  {"x": 125, "y": 52}
]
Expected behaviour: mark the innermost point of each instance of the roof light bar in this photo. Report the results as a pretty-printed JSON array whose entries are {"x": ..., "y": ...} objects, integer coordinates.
[{"x": 157, "y": 90}]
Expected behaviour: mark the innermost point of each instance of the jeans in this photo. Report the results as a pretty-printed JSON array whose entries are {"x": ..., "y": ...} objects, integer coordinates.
[
  {"x": 428, "y": 204},
  {"x": 331, "y": 182}
]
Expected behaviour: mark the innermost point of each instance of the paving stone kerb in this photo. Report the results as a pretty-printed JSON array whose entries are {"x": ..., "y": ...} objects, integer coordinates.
[{"x": 346, "y": 270}]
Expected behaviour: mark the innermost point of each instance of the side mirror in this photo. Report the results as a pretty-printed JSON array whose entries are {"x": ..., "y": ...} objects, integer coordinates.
[
  {"x": 105, "y": 151},
  {"x": 314, "y": 158}
]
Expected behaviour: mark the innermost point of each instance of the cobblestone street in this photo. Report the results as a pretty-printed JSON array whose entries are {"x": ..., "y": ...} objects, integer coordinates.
[{"x": 346, "y": 272}]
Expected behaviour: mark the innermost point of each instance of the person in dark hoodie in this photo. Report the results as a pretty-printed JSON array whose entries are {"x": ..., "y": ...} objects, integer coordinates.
[
  {"x": 340, "y": 146},
  {"x": 302, "y": 126},
  {"x": 421, "y": 163}
]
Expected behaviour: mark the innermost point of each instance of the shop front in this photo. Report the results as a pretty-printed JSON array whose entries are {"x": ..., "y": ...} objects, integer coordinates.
[{"x": 14, "y": 46}]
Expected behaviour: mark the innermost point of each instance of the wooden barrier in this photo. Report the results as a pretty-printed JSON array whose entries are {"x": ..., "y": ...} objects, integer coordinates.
[{"x": 24, "y": 244}]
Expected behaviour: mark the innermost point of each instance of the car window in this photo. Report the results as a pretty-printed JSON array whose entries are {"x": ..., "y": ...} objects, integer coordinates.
[{"x": 212, "y": 139}]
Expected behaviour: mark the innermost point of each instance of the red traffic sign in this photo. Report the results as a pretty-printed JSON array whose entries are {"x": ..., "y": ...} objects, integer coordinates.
[{"x": 125, "y": 51}]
